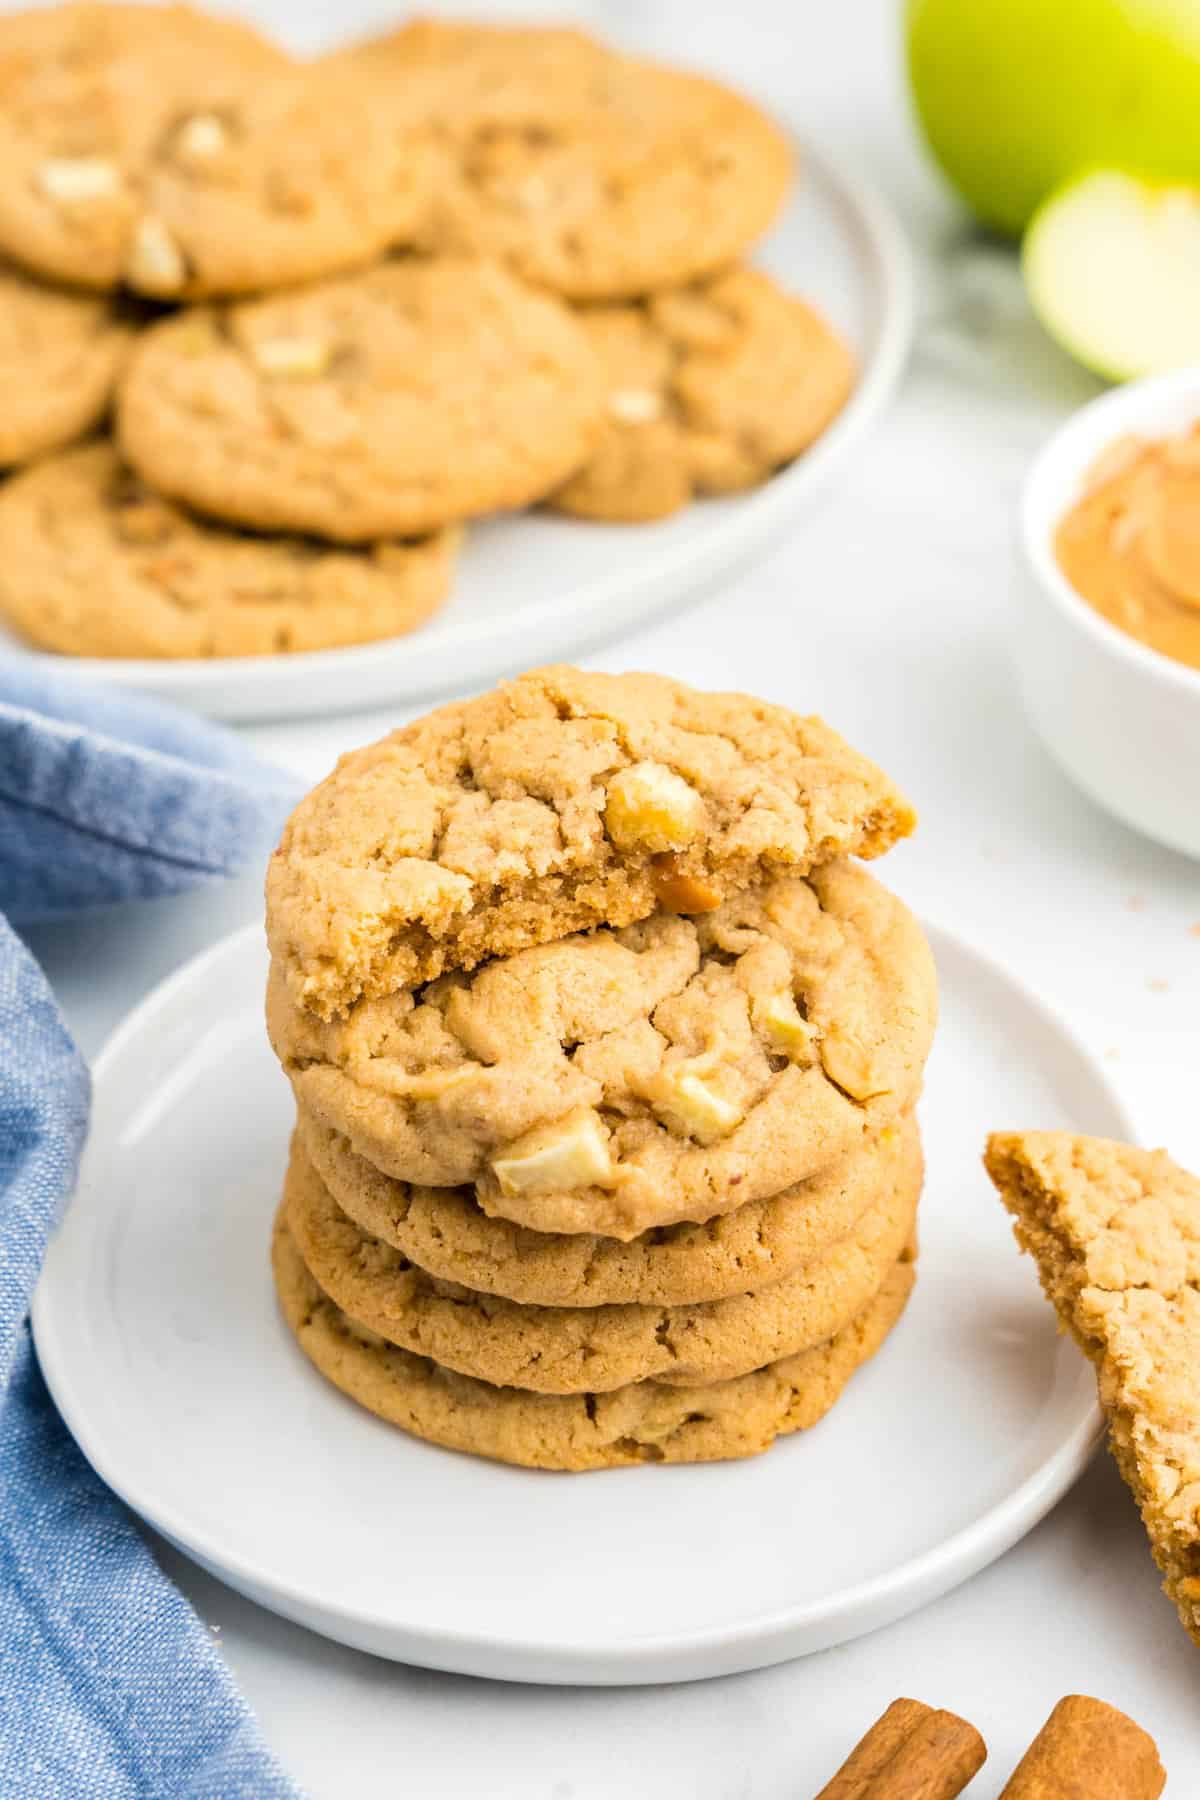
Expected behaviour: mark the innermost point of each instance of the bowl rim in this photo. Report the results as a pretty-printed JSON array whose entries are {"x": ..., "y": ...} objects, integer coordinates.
[{"x": 1074, "y": 446}]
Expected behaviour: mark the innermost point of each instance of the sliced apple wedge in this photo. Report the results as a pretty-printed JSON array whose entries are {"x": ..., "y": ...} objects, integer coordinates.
[{"x": 1112, "y": 269}]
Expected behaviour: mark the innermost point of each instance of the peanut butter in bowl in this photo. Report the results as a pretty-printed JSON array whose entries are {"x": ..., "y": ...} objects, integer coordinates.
[{"x": 1131, "y": 543}]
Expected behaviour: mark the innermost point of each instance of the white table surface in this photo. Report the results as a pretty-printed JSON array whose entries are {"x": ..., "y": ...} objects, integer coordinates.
[{"x": 888, "y": 611}]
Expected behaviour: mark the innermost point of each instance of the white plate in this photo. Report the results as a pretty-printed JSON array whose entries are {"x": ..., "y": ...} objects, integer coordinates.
[
  {"x": 533, "y": 587},
  {"x": 157, "y": 1330}
]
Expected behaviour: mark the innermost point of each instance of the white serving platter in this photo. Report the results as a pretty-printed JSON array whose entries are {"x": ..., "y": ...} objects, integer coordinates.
[
  {"x": 535, "y": 587},
  {"x": 157, "y": 1330}
]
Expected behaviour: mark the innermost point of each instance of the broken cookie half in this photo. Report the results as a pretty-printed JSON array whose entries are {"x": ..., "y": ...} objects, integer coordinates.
[{"x": 1115, "y": 1233}]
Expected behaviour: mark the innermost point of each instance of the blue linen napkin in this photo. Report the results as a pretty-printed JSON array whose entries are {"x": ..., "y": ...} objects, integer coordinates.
[
  {"x": 104, "y": 797},
  {"x": 110, "y": 1686}
]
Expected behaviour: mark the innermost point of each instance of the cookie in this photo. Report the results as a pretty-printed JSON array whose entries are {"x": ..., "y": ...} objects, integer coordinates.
[
  {"x": 94, "y": 564},
  {"x": 60, "y": 354},
  {"x": 570, "y": 1350},
  {"x": 710, "y": 389},
  {"x": 183, "y": 156},
  {"x": 1115, "y": 1234},
  {"x": 590, "y": 173},
  {"x": 554, "y": 803},
  {"x": 383, "y": 405},
  {"x": 446, "y": 1232},
  {"x": 619, "y": 1081},
  {"x": 645, "y": 1422}
]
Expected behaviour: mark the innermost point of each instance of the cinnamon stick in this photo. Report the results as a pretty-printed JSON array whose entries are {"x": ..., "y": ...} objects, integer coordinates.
[
  {"x": 911, "y": 1753},
  {"x": 1088, "y": 1751}
]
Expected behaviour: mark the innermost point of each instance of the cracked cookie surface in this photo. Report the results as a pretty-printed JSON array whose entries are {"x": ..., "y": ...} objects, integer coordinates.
[
  {"x": 644, "y": 1422},
  {"x": 447, "y": 1233},
  {"x": 554, "y": 803},
  {"x": 60, "y": 355},
  {"x": 565, "y": 1350},
  {"x": 590, "y": 173},
  {"x": 672, "y": 1070},
  {"x": 92, "y": 563},
  {"x": 709, "y": 390},
  {"x": 383, "y": 404},
  {"x": 1115, "y": 1234},
  {"x": 181, "y": 155}
]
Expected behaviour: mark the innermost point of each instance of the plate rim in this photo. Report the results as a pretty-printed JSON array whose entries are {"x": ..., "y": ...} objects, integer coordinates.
[
  {"x": 255, "y": 688},
  {"x": 690, "y": 1654}
]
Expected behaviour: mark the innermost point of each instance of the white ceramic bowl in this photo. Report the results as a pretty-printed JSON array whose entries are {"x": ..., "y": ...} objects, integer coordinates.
[{"x": 1123, "y": 720}]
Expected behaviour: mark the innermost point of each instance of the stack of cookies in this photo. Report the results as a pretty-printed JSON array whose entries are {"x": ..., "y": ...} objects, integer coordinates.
[
  {"x": 605, "y": 1058},
  {"x": 456, "y": 270}
]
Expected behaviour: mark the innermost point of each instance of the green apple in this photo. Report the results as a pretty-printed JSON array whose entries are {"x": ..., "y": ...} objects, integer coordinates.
[
  {"x": 1016, "y": 96},
  {"x": 1112, "y": 268}
]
